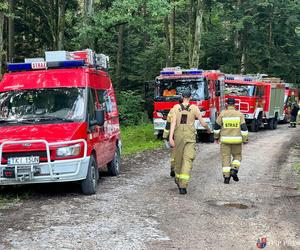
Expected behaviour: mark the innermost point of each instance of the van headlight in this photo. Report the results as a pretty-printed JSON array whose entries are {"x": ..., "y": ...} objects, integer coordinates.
[{"x": 73, "y": 150}]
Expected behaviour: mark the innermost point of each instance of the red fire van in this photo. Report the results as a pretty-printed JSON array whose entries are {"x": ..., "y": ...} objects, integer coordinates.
[{"x": 58, "y": 122}]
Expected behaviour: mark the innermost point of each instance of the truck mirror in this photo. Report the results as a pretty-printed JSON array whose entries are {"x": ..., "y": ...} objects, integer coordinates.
[
  {"x": 206, "y": 92},
  {"x": 100, "y": 117},
  {"x": 218, "y": 90}
]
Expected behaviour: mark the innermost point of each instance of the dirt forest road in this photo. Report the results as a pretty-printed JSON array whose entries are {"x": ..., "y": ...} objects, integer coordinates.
[{"x": 141, "y": 209}]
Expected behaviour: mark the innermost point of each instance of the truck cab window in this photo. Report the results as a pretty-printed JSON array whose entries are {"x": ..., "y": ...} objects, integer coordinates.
[{"x": 172, "y": 89}]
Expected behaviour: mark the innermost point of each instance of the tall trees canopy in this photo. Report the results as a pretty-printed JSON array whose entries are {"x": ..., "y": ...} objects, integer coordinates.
[{"x": 143, "y": 36}]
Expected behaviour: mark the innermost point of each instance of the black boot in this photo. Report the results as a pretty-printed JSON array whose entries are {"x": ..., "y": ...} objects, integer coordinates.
[
  {"x": 172, "y": 173},
  {"x": 233, "y": 173},
  {"x": 182, "y": 190},
  {"x": 226, "y": 180}
]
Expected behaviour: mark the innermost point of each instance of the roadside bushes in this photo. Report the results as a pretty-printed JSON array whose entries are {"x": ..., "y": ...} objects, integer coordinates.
[{"x": 131, "y": 108}]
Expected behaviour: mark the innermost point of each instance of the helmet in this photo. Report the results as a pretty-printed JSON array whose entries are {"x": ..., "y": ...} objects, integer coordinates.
[
  {"x": 186, "y": 93},
  {"x": 230, "y": 101}
]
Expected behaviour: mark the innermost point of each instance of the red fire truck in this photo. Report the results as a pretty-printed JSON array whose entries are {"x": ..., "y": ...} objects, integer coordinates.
[
  {"x": 207, "y": 89},
  {"x": 58, "y": 121},
  {"x": 261, "y": 101}
]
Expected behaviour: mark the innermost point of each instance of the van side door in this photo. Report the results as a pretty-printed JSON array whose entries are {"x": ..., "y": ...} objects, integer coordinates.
[{"x": 96, "y": 134}]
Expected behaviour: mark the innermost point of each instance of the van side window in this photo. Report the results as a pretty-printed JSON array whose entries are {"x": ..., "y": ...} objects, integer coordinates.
[
  {"x": 91, "y": 104},
  {"x": 108, "y": 104}
]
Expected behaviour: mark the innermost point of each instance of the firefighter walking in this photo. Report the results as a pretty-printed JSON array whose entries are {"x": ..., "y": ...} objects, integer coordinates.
[
  {"x": 231, "y": 130},
  {"x": 183, "y": 139},
  {"x": 166, "y": 134},
  {"x": 294, "y": 114}
]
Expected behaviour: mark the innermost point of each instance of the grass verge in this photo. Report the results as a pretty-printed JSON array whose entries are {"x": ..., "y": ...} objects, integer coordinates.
[
  {"x": 297, "y": 166},
  {"x": 8, "y": 200},
  {"x": 138, "y": 139}
]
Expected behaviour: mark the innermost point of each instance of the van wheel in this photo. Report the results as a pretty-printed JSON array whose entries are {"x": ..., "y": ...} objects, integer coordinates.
[
  {"x": 89, "y": 185},
  {"x": 114, "y": 166}
]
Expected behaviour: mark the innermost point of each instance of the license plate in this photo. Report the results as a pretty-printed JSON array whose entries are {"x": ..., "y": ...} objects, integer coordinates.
[{"x": 30, "y": 160}]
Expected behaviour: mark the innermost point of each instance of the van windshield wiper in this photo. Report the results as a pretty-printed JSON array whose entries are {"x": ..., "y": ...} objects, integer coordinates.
[
  {"x": 2, "y": 121},
  {"x": 53, "y": 118}
]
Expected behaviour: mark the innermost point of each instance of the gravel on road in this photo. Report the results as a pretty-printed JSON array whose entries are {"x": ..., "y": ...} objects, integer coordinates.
[{"x": 141, "y": 208}]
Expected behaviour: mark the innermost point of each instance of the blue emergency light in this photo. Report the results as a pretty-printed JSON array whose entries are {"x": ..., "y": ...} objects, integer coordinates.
[
  {"x": 192, "y": 72},
  {"x": 59, "y": 64},
  {"x": 248, "y": 79},
  {"x": 18, "y": 66},
  {"x": 167, "y": 73},
  {"x": 229, "y": 77}
]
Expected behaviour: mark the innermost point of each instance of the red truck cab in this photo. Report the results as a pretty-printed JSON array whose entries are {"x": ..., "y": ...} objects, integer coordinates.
[
  {"x": 58, "y": 123},
  {"x": 207, "y": 89},
  {"x": 260, "y": 100}
]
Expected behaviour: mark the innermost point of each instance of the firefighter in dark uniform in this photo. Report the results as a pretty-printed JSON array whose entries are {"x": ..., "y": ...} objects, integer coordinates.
[
  {"x": 231, "y": 130},
  {"x": 183, "y": 138},
  {"x": 294, "y": 114}
]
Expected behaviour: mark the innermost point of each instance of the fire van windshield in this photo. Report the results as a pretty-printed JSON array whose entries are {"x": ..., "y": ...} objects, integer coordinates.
[
  {"x": 239, "y": 90},
  {"x": 42, "y": 105},
  {"x": 168, "y": 90}
]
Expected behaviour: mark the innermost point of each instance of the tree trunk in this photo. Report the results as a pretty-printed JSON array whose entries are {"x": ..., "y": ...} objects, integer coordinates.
[
  {"x": 270, "y": 37},
  {"x": 11, "y": 31},
  {"x": 172, "y": 36},
  {"x": 1, "y": 41},
  {"x": 238, "y": 42},
  {"x": 197, "y": 38},
  {"x": 120, "y": 56},
  {"x": 243, "y": 59},
  {"x": 191, "y": 30},
  {"x": 60, "y": 24},
  {"x": 88, "y": 12},
  {"x": 169, "y": 23},
  {"x": 88, "y": 7},
  {"x": 167, "y": 34}
]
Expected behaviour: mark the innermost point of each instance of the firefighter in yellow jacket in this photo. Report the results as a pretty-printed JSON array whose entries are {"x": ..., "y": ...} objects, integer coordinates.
[
  {"x": 231, "y": 130},
  {"x": 166, "y": 134},
  {"x": 183, "y": 139}
]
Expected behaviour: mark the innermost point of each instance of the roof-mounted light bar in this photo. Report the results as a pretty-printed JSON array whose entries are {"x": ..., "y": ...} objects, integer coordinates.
[
  {"x": 192, "y": 72},
  {"x": 66, "y": 64},
  {"x": 44, "y": 65},
  {"x": 239, "y": 77},
  {"x": 19, "y": 66},
  {"x": 179, "y": 71}
]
